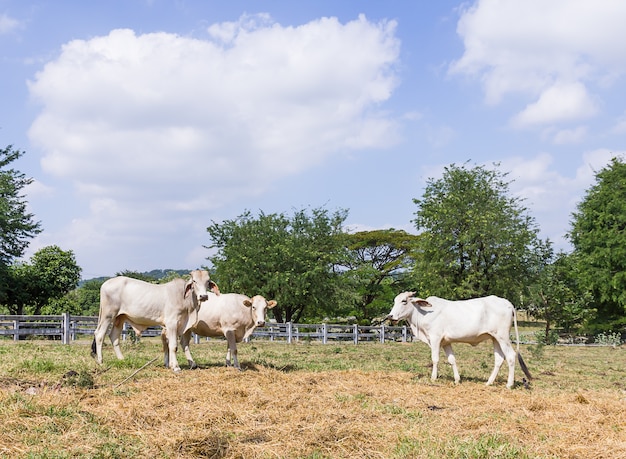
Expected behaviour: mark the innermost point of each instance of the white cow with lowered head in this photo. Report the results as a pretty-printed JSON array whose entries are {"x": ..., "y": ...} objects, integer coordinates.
[
  {"x": 439, "y": 323},
  {"x": 231, "y": 315}
]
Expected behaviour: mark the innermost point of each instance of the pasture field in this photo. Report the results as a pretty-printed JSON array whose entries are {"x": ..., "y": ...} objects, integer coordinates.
[{"x": 308, "y": 400}]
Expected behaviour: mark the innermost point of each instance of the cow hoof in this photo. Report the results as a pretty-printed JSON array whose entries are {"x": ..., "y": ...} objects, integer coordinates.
[
  {"x": 177, "y": 370},
  {"x": 193, "y": 365}
]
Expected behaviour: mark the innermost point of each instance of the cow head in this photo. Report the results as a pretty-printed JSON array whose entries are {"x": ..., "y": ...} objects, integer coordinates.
[
  {"x": 200, "y": 283},
  {"x": 258, "y": 306},
  {"x": 403, "y": 305}
]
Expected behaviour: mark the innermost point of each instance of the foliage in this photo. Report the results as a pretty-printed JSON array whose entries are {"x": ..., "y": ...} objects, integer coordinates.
[
  {"x": 378, "y": 260},
  {"x": 476, "y": 239},
  {"x": 51, "y": 274},
  {"x": 550, "y": 337},
  {"x": 608, "y": 339},
  {"x": 598, "y": 234},
  {"x": 558, "y": 298},
  {"x": 289, "y": 259},
  {"x": 84, "y": 300},
  {"x": 16, "y": 224}
]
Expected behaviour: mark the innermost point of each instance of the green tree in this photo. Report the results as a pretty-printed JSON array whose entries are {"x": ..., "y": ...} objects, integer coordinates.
[
  {"x": 598, "y": 234},
  {"x": 83, "y": 300},
  {"x": 290, "y": 259},
  {"x": 50, "y": 275},
  {"x": 475, "y": 238},
  {"x": 17, "y": 226},
  {"x": 378, "y": 260},
  {"x": 558, "y": 298}
]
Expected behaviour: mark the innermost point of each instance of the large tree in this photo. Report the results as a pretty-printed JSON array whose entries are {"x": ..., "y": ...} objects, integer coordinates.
[
  {"x": 476, "y": 239},
  {"x": 291, "y": 259},
  {"x": 378, "y": 260},
  {"x": 598, "y": 234},
  {"x": 17, "y": 226},
  {"x": 557, "y": 296},
  {"x": 51, "y": 274}
]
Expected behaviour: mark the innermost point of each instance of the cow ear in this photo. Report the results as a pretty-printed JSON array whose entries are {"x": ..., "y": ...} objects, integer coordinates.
[
  {"x": 214, "y": 288},
  {"x": 271, "y": 304},
  {"x": 188, "y": 286},
  {"x": 247, "y": 303},
  {"x": 423, "y": 303}
]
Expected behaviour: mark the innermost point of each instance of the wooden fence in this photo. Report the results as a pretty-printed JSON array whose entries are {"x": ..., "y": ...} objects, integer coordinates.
[{"x": 67, "y": 328}]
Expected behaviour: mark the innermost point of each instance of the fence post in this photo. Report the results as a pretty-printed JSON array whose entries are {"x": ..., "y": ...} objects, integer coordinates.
[
  {"x": 404, "y": 333},
  {"x": 289, "y": 332},
  {"x": 16, "y": 328},
  {"x": 382, "y": 333},
  {"x": 324, "y": 333},
  {"x": 196, "y": 338},
  {"x": 65, "y": 328},
  {"x": 355, "y": 333}
]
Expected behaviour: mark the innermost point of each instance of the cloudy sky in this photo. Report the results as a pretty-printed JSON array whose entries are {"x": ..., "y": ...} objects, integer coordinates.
[{"x": 143, "y": 121}]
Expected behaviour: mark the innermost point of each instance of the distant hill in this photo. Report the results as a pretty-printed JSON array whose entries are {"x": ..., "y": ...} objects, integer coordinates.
[{"x": 154, "y": 274}]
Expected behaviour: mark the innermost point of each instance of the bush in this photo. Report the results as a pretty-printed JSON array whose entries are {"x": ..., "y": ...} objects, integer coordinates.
[
  {"x": 608, "y": 339},
  {"x": 551, "y": 339}
]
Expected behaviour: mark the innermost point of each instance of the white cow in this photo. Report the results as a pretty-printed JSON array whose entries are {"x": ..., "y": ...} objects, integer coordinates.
[
  {"x": 173, "y": 305},
  {"x": 439, "y": 323},
  {"x": 231, "y": 315}
]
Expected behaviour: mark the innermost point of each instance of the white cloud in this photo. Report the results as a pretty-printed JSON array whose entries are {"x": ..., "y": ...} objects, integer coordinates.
[
  {"x": 8, "y": 24},
  {"x": 569, "y": 136},
  {"x": 560, "y": 102},
  {"x": 156, "y": 129},
  {"x": 542, "y": 50}
]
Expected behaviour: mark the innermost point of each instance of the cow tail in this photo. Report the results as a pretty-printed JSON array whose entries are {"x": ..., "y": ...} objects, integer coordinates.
[
  {"x": 94, "y": 352},
  {"x": 522, "y": 364}
]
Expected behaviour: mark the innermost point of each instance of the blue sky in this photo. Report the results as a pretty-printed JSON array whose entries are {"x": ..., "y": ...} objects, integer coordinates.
[{"x": 143, "y": 121}]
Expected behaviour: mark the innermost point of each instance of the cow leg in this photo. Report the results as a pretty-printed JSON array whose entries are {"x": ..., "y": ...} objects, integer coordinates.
[
  {"x": 172, "y": 344},
  {"x": 434, "y": 352},
  {"x": 116, "y": 332},
  {"x": 506, "y": 352},
  {"x": 499, "y": 358},
  {"x": 98, "y": 338},
  {"x": 166, "y": 348},
  {"x": 452, "y": 361},
  {"x": 232, "y": 349},
  {"x": 184, "y": 342}
]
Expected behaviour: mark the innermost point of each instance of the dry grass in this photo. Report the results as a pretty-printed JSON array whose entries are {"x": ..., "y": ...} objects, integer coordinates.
[{"x": 310, "y": 401}]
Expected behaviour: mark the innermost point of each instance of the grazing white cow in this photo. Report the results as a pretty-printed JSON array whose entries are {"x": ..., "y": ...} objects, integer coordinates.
[
  {"x": 231, "y": 315},
  {"x": 173, "y": 305},
  {"x": 439, "y": 322}
]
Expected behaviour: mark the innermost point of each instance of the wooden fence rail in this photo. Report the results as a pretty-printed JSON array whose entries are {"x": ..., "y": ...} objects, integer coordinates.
[{"x": 68, "y": 328}]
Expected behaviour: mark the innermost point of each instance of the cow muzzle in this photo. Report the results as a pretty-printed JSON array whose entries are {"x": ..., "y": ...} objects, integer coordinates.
[
  {"x": 390, "y": 319},
  {"x": 260, "y": 323},
  {"x": 203, "y": 297}
]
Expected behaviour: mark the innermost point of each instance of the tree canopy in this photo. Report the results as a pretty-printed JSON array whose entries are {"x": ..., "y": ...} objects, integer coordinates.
[
  {"x": 292, "y": 259},
  {"x": 16, "y": 223},
  {"x": 475, "y": 239},
  {"x": 50, "y": 275},
  {"x": 598, "y": 234},
  {"x": 378, "y": 260}
]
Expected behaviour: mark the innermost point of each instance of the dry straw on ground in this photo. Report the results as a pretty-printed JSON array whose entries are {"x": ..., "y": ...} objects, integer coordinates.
[{"x": 269, "y": 411}]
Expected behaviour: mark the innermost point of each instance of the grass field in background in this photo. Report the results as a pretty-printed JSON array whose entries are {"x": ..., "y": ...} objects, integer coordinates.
[{"x": 308, "y": 400}]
